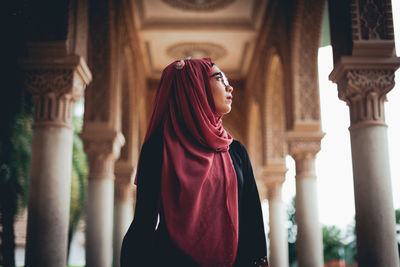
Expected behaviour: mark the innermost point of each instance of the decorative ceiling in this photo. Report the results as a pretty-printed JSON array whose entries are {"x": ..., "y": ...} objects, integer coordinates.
[{"x": 225, "y": 30}]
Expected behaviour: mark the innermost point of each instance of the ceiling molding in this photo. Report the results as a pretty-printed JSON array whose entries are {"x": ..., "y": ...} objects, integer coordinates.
[
  {"x": 227, "y": 23},
  {"x": 199, "y": 6},
  {"x": 233, "y": 30},
  {"x": 196, "y": 50},
  {"x": 180, "y": 24}
]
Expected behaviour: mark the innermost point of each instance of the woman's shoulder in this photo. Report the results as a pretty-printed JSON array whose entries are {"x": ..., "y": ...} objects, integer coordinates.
[
  {"x": 153, "y": 142},
  {"x": 238, "y": 147},
  {"x": 238, "y": 151}
]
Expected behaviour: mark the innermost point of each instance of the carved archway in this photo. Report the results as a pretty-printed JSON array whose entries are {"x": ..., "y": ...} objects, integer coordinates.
[
  {"x": 254, "y": 136},
  {"x": 305, "y": 36},
  {"x": 274, "y": 111}
]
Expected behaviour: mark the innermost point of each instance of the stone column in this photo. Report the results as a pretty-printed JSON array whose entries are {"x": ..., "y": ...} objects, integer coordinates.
[
  {"x": 123, "y": 206},
  {"x": 303, "y": 148},
  {"x": 363, "y": 83},
  {"x": 55, "y": 83},
  {"x": 102, "y": 147},
  {"x": 274, "y": 176}
]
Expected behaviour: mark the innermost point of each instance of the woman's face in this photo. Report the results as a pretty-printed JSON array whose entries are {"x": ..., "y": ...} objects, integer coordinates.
[{"x": 221, "y": 91}]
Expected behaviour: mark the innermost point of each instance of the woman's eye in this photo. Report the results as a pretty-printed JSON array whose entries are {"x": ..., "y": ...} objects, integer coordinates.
[{"x": 219, "y": 78}]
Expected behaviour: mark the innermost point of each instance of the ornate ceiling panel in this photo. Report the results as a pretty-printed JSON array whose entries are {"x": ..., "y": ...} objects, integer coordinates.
[{"x": 224, "y": 30}]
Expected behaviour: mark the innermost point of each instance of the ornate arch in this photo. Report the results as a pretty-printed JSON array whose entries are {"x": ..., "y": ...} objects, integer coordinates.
[
  {"x": 274, "y": 110},
  {"x": 254, "y": 136},
  {"x": 305, "y": 39},
  {"x": 130, "y": 114}
]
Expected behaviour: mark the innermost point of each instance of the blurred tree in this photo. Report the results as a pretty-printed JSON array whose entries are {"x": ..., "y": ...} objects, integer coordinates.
[
  {"x": 14, "y": 180},
  {"x": 78, "y": 181},
  {"x": 15, "y": 147},
  {"x": 333, "y": 245}
]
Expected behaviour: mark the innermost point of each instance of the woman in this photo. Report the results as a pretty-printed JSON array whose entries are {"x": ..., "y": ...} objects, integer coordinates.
[{"x": 197, "y": 202}]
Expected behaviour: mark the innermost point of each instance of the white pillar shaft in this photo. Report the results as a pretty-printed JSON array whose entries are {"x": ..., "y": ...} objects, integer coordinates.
[
  {"x": 100, "y": 202},
  {"x": 49, "y": 197},
  {"x": 123, "y": 215},
  {"x": 277, "y": 231},
  {"x": 375, "y": 220},
  {"x": 309, "y": 234}
]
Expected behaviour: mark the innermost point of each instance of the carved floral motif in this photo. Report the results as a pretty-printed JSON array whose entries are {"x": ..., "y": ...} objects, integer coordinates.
[
  {"x": 365, "y": 93},
  {"x": 306, "y": 45},
  {"x": 54, "y": 92}
]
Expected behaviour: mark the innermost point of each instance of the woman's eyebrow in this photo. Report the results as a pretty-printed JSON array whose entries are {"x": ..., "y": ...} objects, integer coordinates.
[{"x": 217, "y": 73}]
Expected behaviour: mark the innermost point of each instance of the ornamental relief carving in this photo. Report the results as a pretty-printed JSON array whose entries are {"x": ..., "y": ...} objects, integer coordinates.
[
  {"x": 363, "y": 80},
  {"x": 275, "y": 116},
  {"x": 199, "y": 5},
  {"x": 305, "y": 165},
  {"x": 305, "y": 71},
  {"x": 54, "y": 92},
  {"x": 44, "y": 81},
  {"x": 101, "y": 38},
  {"x": 365, "y": 93},
  {"x": 196, "y": 50},
  {"x": 304, "y": 148},
  {"x": 102, "y": 156},
  {"x": 372, "y": 20}
]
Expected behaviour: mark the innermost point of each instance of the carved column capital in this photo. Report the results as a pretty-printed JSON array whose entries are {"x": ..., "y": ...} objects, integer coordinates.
[
  {"x": 363, "y": 84},
  {"x": 124, "y": 174},
  {"x": 303, "y": 147},
  {"x": 102, "y": 149},
  {"x": 273, "y": 176},
  {"x": 302, "y": 143},
  {"x": 56, "y": 83}
]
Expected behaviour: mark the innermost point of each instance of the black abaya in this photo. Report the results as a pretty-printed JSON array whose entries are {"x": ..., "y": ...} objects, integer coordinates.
[{"x": 148, "y": 244}]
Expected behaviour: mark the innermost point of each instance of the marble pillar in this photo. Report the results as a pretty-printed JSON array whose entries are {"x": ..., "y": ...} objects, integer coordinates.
[
  {"x": 278, "y": 244},
  {"x": 56, "y": 83},
  {"x": 363, "y": 84},
  {"x": 303, "y": 148},
  {"x": 102, "y": 147},
  {"x": 123, "y": 206}
]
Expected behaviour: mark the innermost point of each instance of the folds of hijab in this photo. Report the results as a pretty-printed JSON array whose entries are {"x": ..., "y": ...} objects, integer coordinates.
[{"x": 199, "y": 186}]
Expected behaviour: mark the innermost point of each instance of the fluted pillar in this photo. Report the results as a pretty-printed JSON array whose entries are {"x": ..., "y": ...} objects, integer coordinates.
[
  {"x": 303, "y": 148},
  {"x": 363, "y": 83},
  {"x": 123, "y": 206},
  {"x": 274, "y": 176},
  {"x": 102, "y": 148},
  {"x": 56, "y": 81}
]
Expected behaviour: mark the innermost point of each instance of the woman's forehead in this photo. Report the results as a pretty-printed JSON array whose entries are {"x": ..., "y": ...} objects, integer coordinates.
[{"x": 215, "y": 69}]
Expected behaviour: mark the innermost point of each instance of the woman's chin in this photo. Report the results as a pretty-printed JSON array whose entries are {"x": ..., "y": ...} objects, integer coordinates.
[{"x": 225, "y": 110}]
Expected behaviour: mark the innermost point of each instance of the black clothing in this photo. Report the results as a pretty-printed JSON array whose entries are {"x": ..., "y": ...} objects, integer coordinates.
[{"x": 145, "y": 246}]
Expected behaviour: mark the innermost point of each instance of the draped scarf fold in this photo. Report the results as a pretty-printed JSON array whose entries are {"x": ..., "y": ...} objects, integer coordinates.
[{"x": 198, "y": 183}]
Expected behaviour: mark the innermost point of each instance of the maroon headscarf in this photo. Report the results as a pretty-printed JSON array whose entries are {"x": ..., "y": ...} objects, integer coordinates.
[{"x": 198, "y": 185}]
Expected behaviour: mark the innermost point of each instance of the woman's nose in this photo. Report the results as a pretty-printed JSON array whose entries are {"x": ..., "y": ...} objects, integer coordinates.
[{"x": 229, "y": 88}]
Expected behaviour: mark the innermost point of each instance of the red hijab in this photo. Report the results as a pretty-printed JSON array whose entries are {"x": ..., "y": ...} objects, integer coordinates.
[{"x": 198, "y": 185}]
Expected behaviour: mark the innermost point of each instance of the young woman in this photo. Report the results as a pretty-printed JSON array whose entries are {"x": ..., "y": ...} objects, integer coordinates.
[{"x": 197, "y": 201}]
